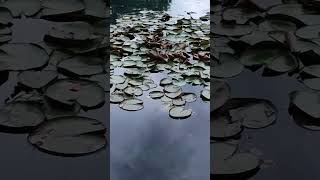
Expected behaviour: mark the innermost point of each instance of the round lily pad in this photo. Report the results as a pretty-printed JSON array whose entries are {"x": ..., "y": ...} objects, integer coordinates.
[
  {"x": 165, "y": 81},
  {"x": 220, "y": 94},
  {"x": 173, "y": 95},
  {"x": 117, "y": 79},
  {"x": 172, "y": 88},
  {"x": 178, "y": 102},
  {"x": 19, "y": 8},
  {"x": 156, "y": 94},
  {"x": 307, "y": 101},
  {"x": 132, "y": 105},
  {"x": 52, "y": 8},
  {"x": 116, "y": 98},
  {"x": 21, "y": 116},
  {"x": 222, "y": 127},
  {"x": 180, "y": 112},
  {"x": 235, "y": 165},
  {"x": 133, "y": 91},
  {"x": 69, "y": 136},
  {"x": 255, "y": 115},
  {"x": 68, "y": 91},
  {"x": 22, "y": 57},
  {"x": 82, "y": 65},
  {"x": 36, "y": 79},
  {"x": 189, "y": 97},
  {"x": 205, "y": 94}
]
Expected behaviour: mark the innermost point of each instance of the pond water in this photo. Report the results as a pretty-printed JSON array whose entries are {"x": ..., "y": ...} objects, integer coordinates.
[
  {"x": 21, "y": 160},
  {"x": 292, "y": 149},
  {"x": 148, "y": 144}
]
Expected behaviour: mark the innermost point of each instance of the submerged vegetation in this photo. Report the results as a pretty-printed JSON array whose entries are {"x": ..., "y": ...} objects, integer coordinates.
[{"x": 150, "y": 43}]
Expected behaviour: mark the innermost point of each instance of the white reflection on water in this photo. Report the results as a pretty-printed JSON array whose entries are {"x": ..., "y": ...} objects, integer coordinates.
[{"x": 149, "y": 145}]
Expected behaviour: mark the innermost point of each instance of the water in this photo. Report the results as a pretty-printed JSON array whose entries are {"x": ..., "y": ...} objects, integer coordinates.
[
  {"x": 19, "y": 159},
  {"x": 148, "y": 144},
  {"x": 292, "y": 148}
]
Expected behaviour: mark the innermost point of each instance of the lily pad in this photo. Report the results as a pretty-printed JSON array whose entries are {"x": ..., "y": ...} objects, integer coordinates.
[
  {"x": 221, "y": 127},
  {"x": 21, "y": 116},
  {"x": 19, "y": 7},
  {"x": 220, "y": 94},
  {"x": 236, "y": 165},
  {"x": 116, "y": 98},
  {"x": 68, "y": 91},
  {"x": 156, "y": 94},
  {"x": 69, "y": 136},
  {"x": 189, "y": 97},
  {"x": 82, "y": 65},
  {"x": 37, "y": 79},
  {"x": 132, "y": 105},
  {"x": 133, "y": 91},
  {"x": 52, "y": 8},
  {"x": 22, "y": 57},
  {"x": 180, "y": 112},
  {"x": 5, "y": 16},
  {"x": 307, "y": 101},
  {"x": 276, "y": 59}
]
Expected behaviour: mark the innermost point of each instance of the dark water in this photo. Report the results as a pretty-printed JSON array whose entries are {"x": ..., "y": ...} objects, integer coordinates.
[
  {"x": 19, "y": 159},
  {"x": 293, "y": 149},
  {"x": 148, "y": 144}
]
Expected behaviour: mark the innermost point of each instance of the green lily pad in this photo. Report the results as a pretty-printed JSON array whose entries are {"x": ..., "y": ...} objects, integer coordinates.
[
  {"x": 116, "y": 98},
  {"x": 156, "y": 94},
  {"x": 19, "y": 8},
  {"x": 36, "y": 79},
  {"x": 131, "y": 105},
  {"x": 307, "y": 101},
  {"x": 21, "y": 116},
  {"x": 68, "y": 91},
  {"x": 82, "y": 65},
  {"x": 133, "y": 91},
  {"x": 69, "y": 136},
  {"x": 180, "y": 112},
  {"x": 22, "y": 57}
]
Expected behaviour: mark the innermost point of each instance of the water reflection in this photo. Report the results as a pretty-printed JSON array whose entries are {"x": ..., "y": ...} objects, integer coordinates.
[
  {"x": 173, "y": 7},
  {"x": 148, "y": 144}
]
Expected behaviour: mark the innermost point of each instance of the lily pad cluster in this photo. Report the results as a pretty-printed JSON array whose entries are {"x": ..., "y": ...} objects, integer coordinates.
[
  {"x": 58, "y": 78},
  {"x": 229, "y": 118},
  {"x": 281, "y": 37},
  {"x": 153, "y": 43}
]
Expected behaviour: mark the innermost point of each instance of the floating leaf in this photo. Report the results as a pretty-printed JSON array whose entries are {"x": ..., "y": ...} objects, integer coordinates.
[
  {"x": 132, "y": 104},
  {"x": 22, "y": 57},
  {"x": 36, "y": 79},
  {"x": 69, "y": 136},
  {"x": 307, "y": 101},
  {"x": 68, "y": 91},
  {"x": 133, "y": 91},
  {"x": 20, "y": 116},
  {"x": 156, "y": 94},
  {"x": 19, "y": 7},
  {"x": 82, "y": 65},
  {"x": 180, "y": 112}
]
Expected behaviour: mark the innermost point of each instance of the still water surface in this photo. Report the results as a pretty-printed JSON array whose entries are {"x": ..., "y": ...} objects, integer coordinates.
[{"x": 148, "y": 144}]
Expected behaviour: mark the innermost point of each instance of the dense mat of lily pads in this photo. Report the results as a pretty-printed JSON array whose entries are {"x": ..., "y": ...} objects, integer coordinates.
[
  {"x": 58, "y": 78},
  {"x": 155, "y": 43},
  {"x": 282, "y": 37}
]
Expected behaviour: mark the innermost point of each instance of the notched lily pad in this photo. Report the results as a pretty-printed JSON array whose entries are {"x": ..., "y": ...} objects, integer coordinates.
[
  {"x": 180, "y": 112},
  {"x": 68, "y": 91},
  {"x": 22, "y": 57},
  {"x": 36, "y": 79},
  {"x": 131, "y": 105},
  {"x": 69, "y": 136},
  {"x": 20, "y": 116}
]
